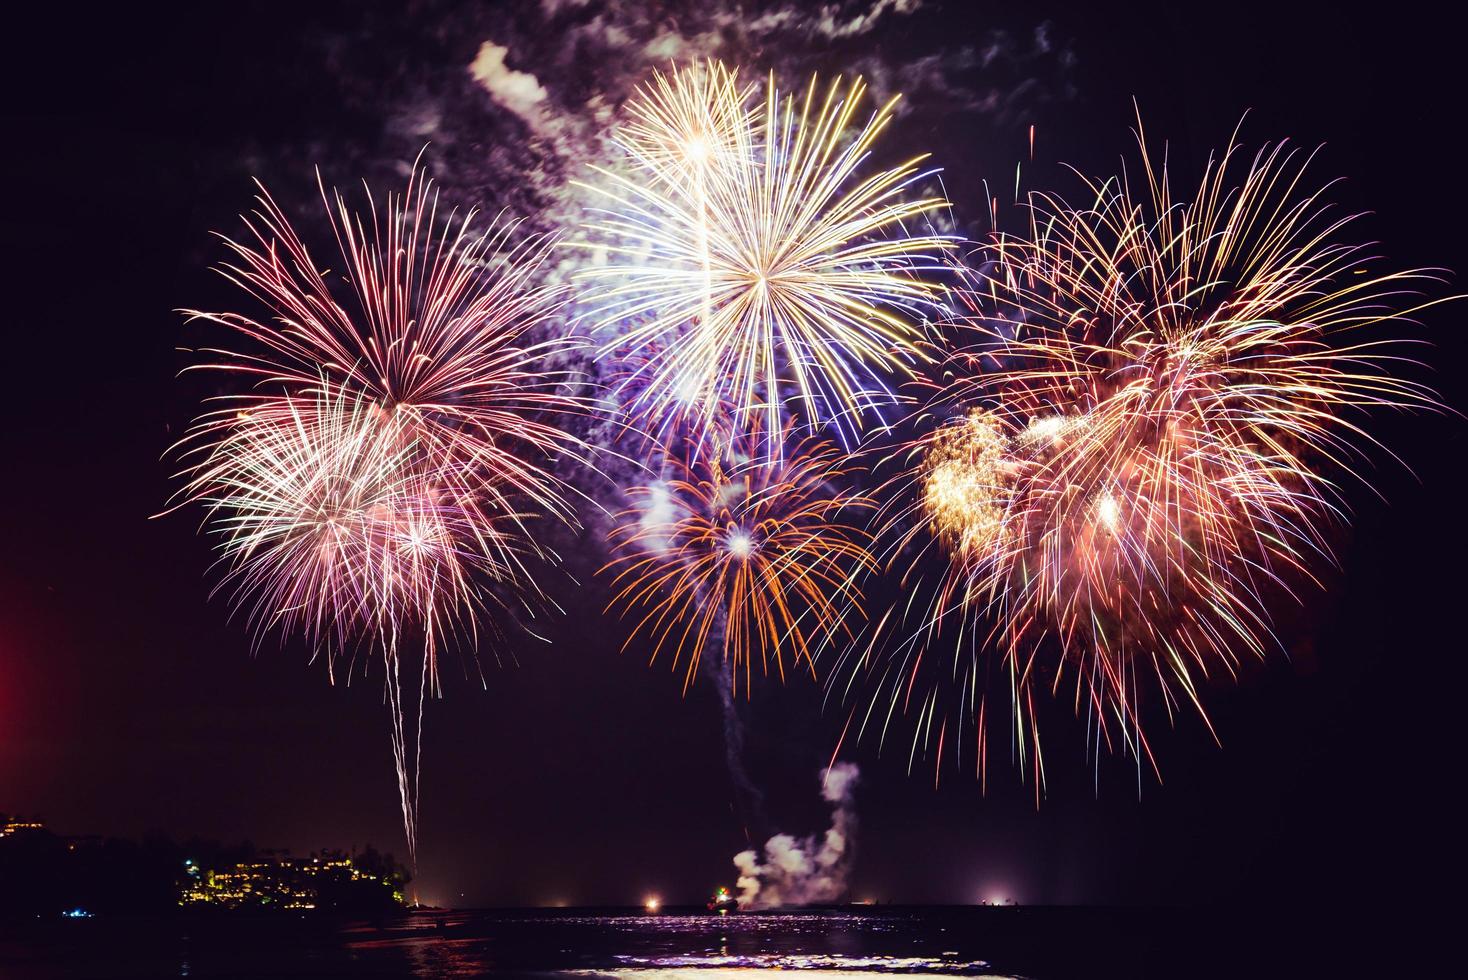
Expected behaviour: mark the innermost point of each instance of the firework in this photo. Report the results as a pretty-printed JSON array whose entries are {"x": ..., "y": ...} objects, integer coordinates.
[
  {"x": 330, "y": 529},
  {"x": 1136, "y": 452},
  {"x": 307, "y": 500},
  {"x": 964, "y": 484},
  {"x": 398, "y": 436},
  {"x": 746, "y": 557},
  {"x": 689, "y": 126},
  {"x": 428, "y": 319},
  {"x": 752, "y": 263}
]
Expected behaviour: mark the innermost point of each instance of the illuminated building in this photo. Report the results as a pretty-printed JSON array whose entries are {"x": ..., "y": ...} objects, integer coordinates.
[
  {"x": 329, "y": 880},
  {"x": 10, "y": 826}
]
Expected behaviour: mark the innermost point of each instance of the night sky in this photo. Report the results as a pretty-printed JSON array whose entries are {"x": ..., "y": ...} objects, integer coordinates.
[{"x": 129, "y": 703}]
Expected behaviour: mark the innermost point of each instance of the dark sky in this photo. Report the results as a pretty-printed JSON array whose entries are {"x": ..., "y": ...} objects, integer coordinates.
[{"x": 129, "y": 703}]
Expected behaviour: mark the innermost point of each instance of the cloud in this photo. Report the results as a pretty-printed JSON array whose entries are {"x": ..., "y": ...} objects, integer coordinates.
[
  {"x": 589, "y": 56},
  {"x": 517, "y": 91},
  {"x": 832, "y": 27},
  {"x": 482, "y": 76}
]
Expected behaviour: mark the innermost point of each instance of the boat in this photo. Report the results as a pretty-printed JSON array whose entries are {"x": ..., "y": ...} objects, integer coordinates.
[{"x": 723, "y": 903}]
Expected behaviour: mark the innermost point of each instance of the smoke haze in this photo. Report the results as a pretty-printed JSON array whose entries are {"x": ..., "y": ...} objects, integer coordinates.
[{"x": 805, "y": 870}]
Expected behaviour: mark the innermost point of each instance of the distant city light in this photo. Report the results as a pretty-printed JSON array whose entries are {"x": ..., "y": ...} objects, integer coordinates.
[{"x": 281, "y": 882}]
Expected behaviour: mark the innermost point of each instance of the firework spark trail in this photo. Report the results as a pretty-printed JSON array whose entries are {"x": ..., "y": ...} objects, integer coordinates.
[
  {"x": 304, "y": 497},
  {"x": 1137, "y": 448},
  {"x": 758, "y": 546},
  {"x": 687, "y": 129},
  {"x": 328, "y": 529},
  {"x": 396, "y": 445},
  {"x": 765, "y": 273},
  {"x": 440, "y": 333}
]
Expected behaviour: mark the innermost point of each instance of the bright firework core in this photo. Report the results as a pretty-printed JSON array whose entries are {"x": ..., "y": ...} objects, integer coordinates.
[
  {"x": 740, "y": 544},
  {"x": 1108, "y": 510},
  {"x": 1048, "y": 430},
  {"x": 964, "y": 489}
]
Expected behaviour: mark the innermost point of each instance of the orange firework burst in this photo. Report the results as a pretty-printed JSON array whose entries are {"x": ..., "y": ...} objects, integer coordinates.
[
  {"x": 399, "y": 437},
  {"x": 1141, "y": 450},
  {"x": 752, "y": 558}
]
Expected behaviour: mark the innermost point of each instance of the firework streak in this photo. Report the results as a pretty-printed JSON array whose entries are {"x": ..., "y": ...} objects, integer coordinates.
[
  {"x": 752, "y": 556},
  {"x": 750, "y": 264},
  {"x": 1133, "y": 448},
  {"x": 396, "y": 443}
]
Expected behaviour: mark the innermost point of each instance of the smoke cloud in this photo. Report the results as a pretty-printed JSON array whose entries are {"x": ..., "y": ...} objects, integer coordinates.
[
  {"x": 750, "y": 800},
  {"x": 517, "y": 99},
  {"x": 805, "y": 870},
  {"x": 517, "y": 91}
]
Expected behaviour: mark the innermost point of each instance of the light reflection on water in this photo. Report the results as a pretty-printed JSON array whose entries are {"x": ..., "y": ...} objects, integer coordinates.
[
  {"x": 810, "y": 965},
  {"x": 1051, "y": 943},
  {"x": 661, "y": 947},
  {"x": 731, "y": 973}
]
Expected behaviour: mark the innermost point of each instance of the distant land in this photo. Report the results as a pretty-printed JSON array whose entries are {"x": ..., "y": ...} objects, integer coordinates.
[{"x": 48, "y": 874}]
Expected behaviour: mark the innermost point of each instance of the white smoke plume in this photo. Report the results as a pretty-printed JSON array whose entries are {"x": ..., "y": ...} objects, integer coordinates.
[{"x": 805, "y": 870}]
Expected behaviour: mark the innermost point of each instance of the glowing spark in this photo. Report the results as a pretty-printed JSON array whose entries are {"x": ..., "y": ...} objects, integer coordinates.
[
  {"x": 740, "y": 544},
  {"x": 1108, "y": 511},
  {"x": 964, "y": 487}
]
